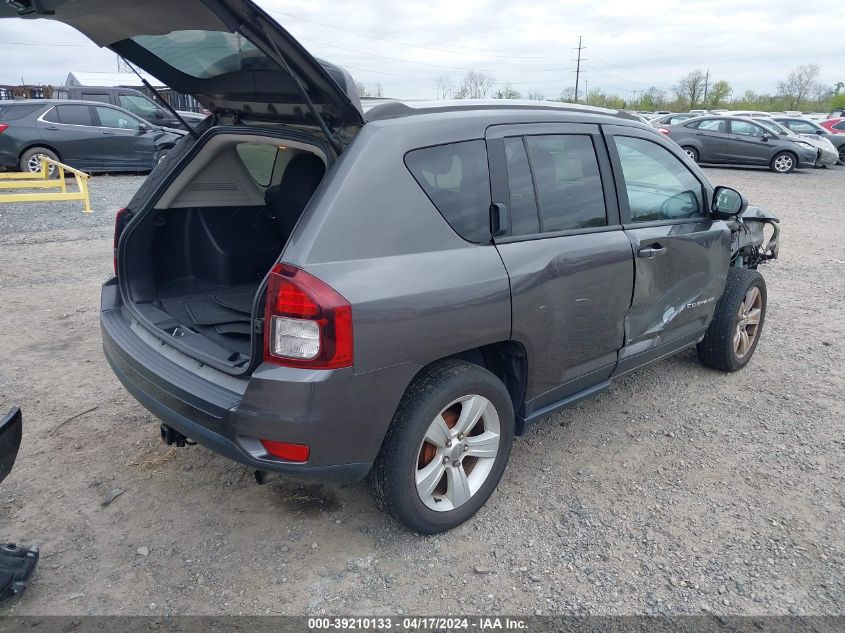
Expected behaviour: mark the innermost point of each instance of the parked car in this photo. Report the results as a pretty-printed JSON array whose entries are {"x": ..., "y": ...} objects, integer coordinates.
[
  {"x": 803, "y": 126},
  {"x": 827, "y": 153},
  {"x": 671, "y": 119},
  {"x": 133, "y": 100},
  {"x": 834, "y": 126},
  {"x": 397, "y": 295},
  {"x": 754, "y": 114},
  {"x": 83, "y": 134},
  {"x": 741, "y": 141}
]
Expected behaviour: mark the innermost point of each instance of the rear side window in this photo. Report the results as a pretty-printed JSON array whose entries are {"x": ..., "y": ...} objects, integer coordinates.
[
  {"x": 839, "y": 126},
  {"x": 15, "y": 112},
  {"x": 569, "y": 187},
  {"x": 456, "y": 179},
  {"x": 259, "y": 160},
  {"x": 74, "y": 115},
  {"x": 96, "y": 96}
]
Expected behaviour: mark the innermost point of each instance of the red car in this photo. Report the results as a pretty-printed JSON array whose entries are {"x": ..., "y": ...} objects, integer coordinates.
[{"x": 835, "y": 125}]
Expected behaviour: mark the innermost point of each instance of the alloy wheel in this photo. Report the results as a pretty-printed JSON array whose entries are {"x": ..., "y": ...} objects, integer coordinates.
[
  {"x": 691, "y": 153},
  {"x": 34, "y": 164},
  {"x": 784, "y": 163},
  {"x": 748, "y": 322},
  {"x": 458, "y": 452}
]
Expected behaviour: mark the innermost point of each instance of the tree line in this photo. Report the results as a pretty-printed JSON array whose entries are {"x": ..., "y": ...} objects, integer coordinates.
[{"x": 799, "y": 90}]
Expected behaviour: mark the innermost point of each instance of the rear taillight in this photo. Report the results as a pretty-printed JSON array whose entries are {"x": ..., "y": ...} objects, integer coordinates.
[
  {"x": 120, "y": 221},
  {"x": 307, "y": 323},
  {"x": 663, "y": 130},
  {"x": 3, "y": 127}
]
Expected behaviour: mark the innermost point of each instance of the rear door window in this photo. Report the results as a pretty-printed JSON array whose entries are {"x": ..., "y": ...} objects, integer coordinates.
[
  {"x": 75, "y": 115},
  {"x": 457, "y": 181},
  {"x": 569, "y": 187}
]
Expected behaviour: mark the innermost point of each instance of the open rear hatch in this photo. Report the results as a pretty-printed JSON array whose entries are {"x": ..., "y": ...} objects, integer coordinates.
[
  {"x": 228, "y": 54},
  {"x": 193, "y": 260}
]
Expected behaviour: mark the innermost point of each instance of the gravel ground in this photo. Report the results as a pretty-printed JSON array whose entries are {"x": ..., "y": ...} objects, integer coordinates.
[
  {"x": 681, "y": 490},
  {"x": 108, "y": 194}
]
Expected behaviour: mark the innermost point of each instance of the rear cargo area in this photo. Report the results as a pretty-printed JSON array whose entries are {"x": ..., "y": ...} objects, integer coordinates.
[{"x": 194, "y": 264}]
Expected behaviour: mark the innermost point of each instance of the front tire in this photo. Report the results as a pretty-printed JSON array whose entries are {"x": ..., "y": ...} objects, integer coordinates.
[
  {"x": 783, "y": 163},
  {"x": 735, "y": 330},
  {"x": 446, "y": 449}
]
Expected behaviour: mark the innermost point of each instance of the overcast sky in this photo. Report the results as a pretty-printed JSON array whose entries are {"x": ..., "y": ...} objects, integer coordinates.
[{"x": 405, "y": 46}]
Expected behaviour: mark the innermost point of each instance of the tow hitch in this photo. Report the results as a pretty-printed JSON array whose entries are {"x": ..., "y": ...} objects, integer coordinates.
[{"x": 171, "y": 436}]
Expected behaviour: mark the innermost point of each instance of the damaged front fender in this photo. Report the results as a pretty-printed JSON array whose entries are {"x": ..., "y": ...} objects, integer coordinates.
[{"x": 750, "y": 245}]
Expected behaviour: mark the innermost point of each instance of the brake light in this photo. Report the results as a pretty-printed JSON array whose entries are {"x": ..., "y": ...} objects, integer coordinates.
[
  {"x": 287, "y": 451},
  {"x": 307, "y": 323},
  {"x": 120, "y": 221},
  {"x": 663, "y": 130},
  {"x": 3, "y": 127}
]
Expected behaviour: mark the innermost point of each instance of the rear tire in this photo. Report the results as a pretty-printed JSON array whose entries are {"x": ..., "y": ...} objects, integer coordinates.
[
  {"x": 783, "y": 162},
  {"x": 842, "y": 154},
  {"x": 735, "y": 330},
  {"x": 446, "y": 449},
  {"x": 691, "y": 152},
  {"x": 31, "y": 164}
]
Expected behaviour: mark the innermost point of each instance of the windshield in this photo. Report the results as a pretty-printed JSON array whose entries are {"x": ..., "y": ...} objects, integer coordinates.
[
  {"x": 206, "y": 54},
  {"x": 774, "y": 127}
]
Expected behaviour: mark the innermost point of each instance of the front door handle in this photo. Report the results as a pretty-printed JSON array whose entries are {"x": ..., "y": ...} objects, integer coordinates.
[
  {"x": 108, "y": 133},
  {"x": 651, "y": 251},
  {"x": 51, "y": 127}
]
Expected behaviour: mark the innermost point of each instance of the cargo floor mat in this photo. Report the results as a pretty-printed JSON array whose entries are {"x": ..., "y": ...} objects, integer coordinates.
[
  {"x": 239, "y": 299},
  {"x": 210, "y": 313}
]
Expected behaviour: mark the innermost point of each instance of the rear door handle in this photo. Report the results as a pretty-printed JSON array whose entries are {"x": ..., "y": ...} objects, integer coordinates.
[
  {"x": 651, "y": 251},
  {"x": 51, "y": 127},
  {"x": 108, "y": 133}
]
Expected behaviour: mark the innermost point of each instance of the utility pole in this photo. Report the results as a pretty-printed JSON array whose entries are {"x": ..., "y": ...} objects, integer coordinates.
[
  {"x": 578, "y": 67},
  {"x": 706, "y": 84}
]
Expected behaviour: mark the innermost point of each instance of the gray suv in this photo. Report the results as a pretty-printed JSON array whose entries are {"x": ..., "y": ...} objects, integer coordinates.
[{"x": 311, "y": 290}]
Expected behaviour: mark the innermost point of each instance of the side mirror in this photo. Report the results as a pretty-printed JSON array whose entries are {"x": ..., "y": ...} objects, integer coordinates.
[
  {"x": 821, "y": 132},
  {"x": 765, "y": 138},
  {"x": 143, "y": 127},
  {"x": 159, "y": 114},
  {"x": 728, "y": 202}
]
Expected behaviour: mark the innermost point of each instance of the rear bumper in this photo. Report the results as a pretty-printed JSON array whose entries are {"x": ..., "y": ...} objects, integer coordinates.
[{"x": 340, "y": 415}]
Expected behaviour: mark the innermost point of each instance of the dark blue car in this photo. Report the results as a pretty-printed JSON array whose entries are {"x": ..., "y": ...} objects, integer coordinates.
[{"x": 86, "y": 135}]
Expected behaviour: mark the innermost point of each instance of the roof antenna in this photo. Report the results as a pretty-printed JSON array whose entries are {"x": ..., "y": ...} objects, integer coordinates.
[
  {"x": 152, "y": 90},
  {"x": 335, "y": 144}
]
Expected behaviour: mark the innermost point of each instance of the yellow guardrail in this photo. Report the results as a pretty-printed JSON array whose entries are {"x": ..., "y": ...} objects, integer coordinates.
[{"x": 42, "y": 180}]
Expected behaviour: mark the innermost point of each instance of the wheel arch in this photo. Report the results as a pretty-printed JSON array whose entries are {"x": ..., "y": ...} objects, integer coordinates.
[
  {"x": 508, "y": 361},
  {"x": 33, "y": 145}
]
